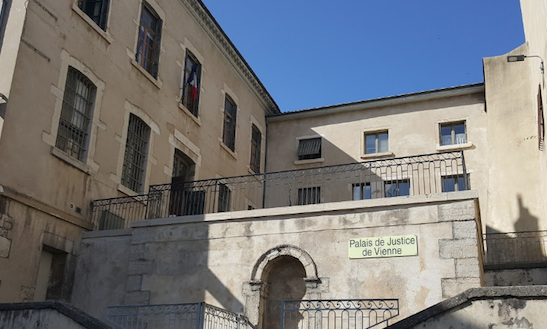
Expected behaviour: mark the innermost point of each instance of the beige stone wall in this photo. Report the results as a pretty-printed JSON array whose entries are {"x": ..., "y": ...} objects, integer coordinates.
[
  {"x": 58, "y": 35},
  {"x": 412, "y": 124},
  {"x": 220, "y": 258}
]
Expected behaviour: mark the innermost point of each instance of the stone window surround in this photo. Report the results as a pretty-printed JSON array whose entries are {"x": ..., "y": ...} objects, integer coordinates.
[
  {"x": 178, "y": 141},
  {"x": 103, "y": 33},
  {"x": 186, "y": 46},
  {"x": 254, "y": 122},
  {"x": 362, "y": 139},
  {"x": 226, "y": 91},
  {"x": 451, "y": 147},
  {"x": 132, "y": 52},
  {"x": 87, "y": 164},
  {"x": 122, "y": 139}
]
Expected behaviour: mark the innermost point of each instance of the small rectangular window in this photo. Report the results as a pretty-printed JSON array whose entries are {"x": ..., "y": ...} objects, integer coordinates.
[
  {"x": 229, "y": 131},
  {"x": 192, "y": 80},
  {"x": 454, "y": 183},
  {"x": 76, "y": 113},
  {"x": 397, "y": 188},
  {"x": 453, "y": 133},
  {"x": 309, "y": 148},
  {"x": 97, "y": 10},
  {"x": 136, "y": 151},
  {"x": 376, "y": 142},
  {"x": 362, "y": 191},
  {"x": 224, "y": 198},
  {"x": 256, "y": 141},
  {"x": 309, "y": 195},
  {"x": 148, "y": 45}
]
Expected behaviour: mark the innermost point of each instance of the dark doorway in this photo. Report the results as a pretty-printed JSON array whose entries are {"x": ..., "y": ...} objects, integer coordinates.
[
  {"x": 185, "y": 199},
  {"x": 284, "y": 277}
]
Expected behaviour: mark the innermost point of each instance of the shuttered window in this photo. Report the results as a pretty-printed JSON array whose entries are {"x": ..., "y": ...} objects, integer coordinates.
[
  {"x": 256, "y": 141},
  {"x": 136, "y": 150},
  {"x": 309, "y": 148},
  {"x": 230, "y": 116}
]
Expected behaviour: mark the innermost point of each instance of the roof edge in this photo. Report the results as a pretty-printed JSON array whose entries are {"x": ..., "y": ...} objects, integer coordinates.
[
  {"x": 381, "y": 102},
  {"x": 204, "y": 17}
]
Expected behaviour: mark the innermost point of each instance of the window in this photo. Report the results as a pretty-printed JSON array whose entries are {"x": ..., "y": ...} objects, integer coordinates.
[
  {"x": 97, "y": 10},
  {"x": 224, "y": 198},
  {"x": 454, "y": 183},
  {"x": 256, "y": 141},
  {"x": 376, "y": 142},
  {"x": 76, "y": 113},
  {"x": 148, "y": 45},
  {"x": 192, "y": 79},
  {"x": 136, "y": 148},
  {"x": 453, "y": 133},
  {"x": 362, "y": 191},
  {"x": 229, "y": 131},
  {"x": 309, "y": 195},
  {"x": 309, "y": 149},
  {"x": 541, "y": 121},
  {"x": 397, "y": 188}
]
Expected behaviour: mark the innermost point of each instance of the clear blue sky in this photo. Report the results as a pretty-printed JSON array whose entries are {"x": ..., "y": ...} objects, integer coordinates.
[{"x": 317, "y": 53}]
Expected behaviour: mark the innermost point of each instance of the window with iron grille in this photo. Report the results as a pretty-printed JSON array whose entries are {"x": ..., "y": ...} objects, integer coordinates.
[
  {"x": 76, "y": 113},
  {"x": 453, "y": 133},
  {"x": 395, "y": 188},
  {"x": 452, "y": 183},
  {"x": 148, "y": 45},
  {"x": 229, "y": 131},
  {"x": 309, "y": 148},
  {"x": 256, "y": 141},
  {"x": 376, "y": 142},
  {"x": 224, "y": 198},
  {"x": 362, "y": 191},
  {"x": 309, "y": 195},
  {"x": 192, "y": 80},
  {"x": 136, "y": 150},
  {"x": 541, "y": 121},
  {"x": 97, "y": 10}
]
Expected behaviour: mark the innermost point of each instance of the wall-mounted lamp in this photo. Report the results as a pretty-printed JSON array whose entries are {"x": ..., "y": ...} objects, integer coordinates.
[{"x": 520, "y": 58}]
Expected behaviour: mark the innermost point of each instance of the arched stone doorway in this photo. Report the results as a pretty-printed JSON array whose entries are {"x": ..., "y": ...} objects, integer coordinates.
[
  {"x": 283, "y": 272},
  {"x": 284, "y": 279}
]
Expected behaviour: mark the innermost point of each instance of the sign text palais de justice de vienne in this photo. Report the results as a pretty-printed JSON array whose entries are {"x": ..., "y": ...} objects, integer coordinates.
[{"x": 385, "y": 246}]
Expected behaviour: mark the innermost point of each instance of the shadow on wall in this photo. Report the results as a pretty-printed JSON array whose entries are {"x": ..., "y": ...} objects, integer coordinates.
[{"x": 523, "y": 248}]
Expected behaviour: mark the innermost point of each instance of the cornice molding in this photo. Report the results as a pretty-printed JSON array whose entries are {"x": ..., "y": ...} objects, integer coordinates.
[{"x": 221, "y": 40}]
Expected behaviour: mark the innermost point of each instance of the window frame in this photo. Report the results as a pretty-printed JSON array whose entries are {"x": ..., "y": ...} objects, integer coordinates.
[
  {"x": 152, "y": 65},
  {"x": 256, "y": 149},
  {"x": 229, "y": 123},
  {"x": 303, "y": 155},
  {"x": 453, "y": 135},
  {"x": 194, "y": 108},
  {"x": 224, "y": 197},
  {"x": 73, "y": 94},
  {"x": 134, "y": 174},
  {"x": 308, "y": 195},
  {"x": 103, "y": 12},
  {"x": 362, "y": 191},
  {"x": 376, "y": 134},
  {"x": 457, "y": 182},
  {"x": 397, "y": 182}
]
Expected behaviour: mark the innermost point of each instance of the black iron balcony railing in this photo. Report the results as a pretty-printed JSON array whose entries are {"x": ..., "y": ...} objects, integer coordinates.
[
  {"x": 516, "y": 249},
  {"x": 187, "y": 316},
  {"x": 348, "y": 313},
  {"x": 415, "y": 175}
]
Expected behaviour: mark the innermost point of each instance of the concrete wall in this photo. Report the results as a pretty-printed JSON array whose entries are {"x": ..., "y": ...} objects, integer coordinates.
[
  {"x": 500, "y": 307},
  {"x": 46, "y": 315},
  {"x": 220, "y": 258},
  {"x": 55, "y": 190}
]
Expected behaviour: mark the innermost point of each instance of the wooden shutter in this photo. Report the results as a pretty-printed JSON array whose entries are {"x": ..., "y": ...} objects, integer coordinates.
[{"x": 157, "y": 49}]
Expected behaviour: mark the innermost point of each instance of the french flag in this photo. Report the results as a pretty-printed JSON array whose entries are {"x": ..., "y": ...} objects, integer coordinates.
[{"x": 193, "y": 83}]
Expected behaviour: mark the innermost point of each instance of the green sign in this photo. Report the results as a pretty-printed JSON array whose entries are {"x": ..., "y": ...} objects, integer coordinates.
[{"x": 384, "y": 246}]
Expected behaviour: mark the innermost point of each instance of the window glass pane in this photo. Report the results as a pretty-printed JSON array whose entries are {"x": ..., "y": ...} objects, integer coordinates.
[
  {"x": 391, "y": 190},
  {"x": 459, "y": 130},
  {"x": 367, "y": 192},
  {"x": 356, "y": 192},
  {"x": 383, "y": 142},
  {"x": 403, "y": 188},
  {"x": 370, "y": 143},
  {"x": 446, "y": 135},
  {"x": 461, "y": 183},
  {"x": 449, "y": 184}
]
